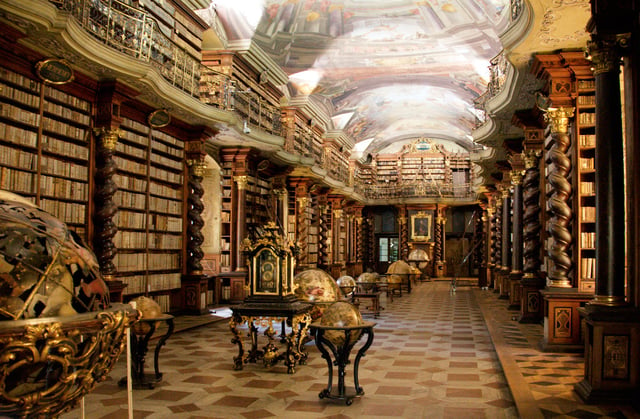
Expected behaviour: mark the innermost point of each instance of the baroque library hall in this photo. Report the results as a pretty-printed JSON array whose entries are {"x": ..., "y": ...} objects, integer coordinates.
[{"x": 320, "y": 208}]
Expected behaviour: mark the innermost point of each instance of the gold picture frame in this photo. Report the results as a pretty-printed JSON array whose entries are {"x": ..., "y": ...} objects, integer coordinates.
[{"x": 421, "y": 227}]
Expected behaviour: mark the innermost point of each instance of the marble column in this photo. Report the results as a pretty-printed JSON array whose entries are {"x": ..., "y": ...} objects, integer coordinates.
[
  {"x": 506, "y": 243},
  {"x": 515, "y": 276},
  {"x": 238, "y": 259}
]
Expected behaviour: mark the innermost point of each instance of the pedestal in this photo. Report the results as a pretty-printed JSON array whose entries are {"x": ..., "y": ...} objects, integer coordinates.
[
  {"x": 562, "y": 331},
  {"x": 515, "y": 290},
  {"x": 194, "y": 289},
  {"x": 341, "y": 351},
  {"x": 531, "y": 300},
  {"x": 503, "y": 287},
  {"x": 611, "y": 362}
]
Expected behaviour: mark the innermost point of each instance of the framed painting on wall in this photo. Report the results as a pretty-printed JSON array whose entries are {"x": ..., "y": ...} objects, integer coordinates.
[{"x": 421, "y": 227}]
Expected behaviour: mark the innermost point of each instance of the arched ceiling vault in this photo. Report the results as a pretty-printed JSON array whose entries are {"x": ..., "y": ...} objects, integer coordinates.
[{"x": 391, "y": 70}]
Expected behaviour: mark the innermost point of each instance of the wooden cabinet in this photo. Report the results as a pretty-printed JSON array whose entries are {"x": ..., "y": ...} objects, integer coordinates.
[{"x": 585, "y": 184}]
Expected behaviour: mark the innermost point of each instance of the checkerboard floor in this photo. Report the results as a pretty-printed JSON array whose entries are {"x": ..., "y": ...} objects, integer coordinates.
[{"x": 433, "y": 356}]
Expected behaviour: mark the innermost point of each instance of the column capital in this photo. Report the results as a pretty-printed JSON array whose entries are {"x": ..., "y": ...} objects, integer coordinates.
[
  {"x": 302, "y": 201},
  {"x": 337, "y": 213},
  {"x": 516, "y": 177},
  {"x": 242, "y": 181},
  {"x": 605, "y": 52},
  {"x": 108, "y": 137},
  {"x": 531, "y": 158},
  {"x": 559, "y": 118},
  {"x": 196, "y": 167}
]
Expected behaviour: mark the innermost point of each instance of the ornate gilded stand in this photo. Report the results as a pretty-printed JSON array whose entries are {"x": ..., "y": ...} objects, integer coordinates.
[
  {"x": 296, "y": 315},
  {"x": 341, "y": 357}
]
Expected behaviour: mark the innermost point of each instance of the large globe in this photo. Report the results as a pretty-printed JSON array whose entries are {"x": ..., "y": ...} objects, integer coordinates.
[
  {"x": 341, "y": 314},
  {"x": 367, "y": 280},
  {"x": 318, "y": 287},
  {"x": 45, "y": 269}
]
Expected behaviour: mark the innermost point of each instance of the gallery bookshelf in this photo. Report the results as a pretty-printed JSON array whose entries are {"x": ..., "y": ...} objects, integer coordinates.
[
  {"x": 45, "y": 146},
  {"x": 150, "y": 198},
  {"x": 585, "y": 179},
  {"x": 229, "y": 284}
]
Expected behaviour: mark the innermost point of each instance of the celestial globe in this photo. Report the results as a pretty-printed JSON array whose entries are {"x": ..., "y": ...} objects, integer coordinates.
[
  {"x": 45, "y": 269},
  {"x": 367, "y": 280},
  {"x": 341, "y": 314},
  {"x": 149, "y": 309}
]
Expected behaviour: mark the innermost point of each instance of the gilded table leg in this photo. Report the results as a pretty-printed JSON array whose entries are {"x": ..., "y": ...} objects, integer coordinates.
[
  {"x": 270, "y": 350},
  {"x": 239, "y": 360}
]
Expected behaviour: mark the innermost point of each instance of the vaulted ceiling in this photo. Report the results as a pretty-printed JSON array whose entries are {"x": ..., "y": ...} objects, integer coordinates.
[{"x": 389, "y": 71}]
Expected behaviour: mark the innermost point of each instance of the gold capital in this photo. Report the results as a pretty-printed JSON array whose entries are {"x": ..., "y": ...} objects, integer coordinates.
[
  {"x": 108, "y": 137},
  {"x": 242, "y": 181},
  {"x": 531, "y": 158},
  {"x": 559, "y": 118},
  {"x": 516, "y": 177},
  {"x": 196, "y": 167}
]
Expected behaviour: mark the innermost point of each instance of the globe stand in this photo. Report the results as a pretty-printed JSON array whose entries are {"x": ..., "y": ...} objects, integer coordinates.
[{"x": 341, "y": 354}]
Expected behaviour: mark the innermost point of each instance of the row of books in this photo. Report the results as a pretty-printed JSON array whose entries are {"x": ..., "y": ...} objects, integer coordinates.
[
  {"x": 587, "y": 140},
  {"x": 586, "y": 100},
  {"x": 18, "y": 136},
  {"x": 129, "y": 150},
  {"x": 587, "y": 118},
  {"x": 165, "y": 175},
  {"x": 586, "y": 163},
  {"x": 64, "y": 188},
  {"x": 130, "y": 200},
  {"x": 64, "y": 129},
  {"x": 131, "y": 183},
  {"x": 165, "y": 191},
  {"x": 174, "y": 164},
  {"x": 19, "y": 95},
  {"x": 586, "y": 84},
  {"x": 67, "y": 113},
  {"x": 64, "y": 148},
  {"x": 164, "y": 281},
  {"x": 587, "y": 240},
  {"x": 17, "y": 180},
  {"x": 588, "y": 214},
  {"x": 587, "y": 188},
  {"x": 165, "y": 241},
  {"x": 165, "y": 205},
  {"x": 165, "y": 223},
  {"x": 16, "y": 113},
  {"x": 130, "y": 166},
  {"x": 67, "y": 99},
  {"x": 14, "y": 157},
  {"x": 131, "y": 262},
  {"x": 68, "y": 212},
  {"x": 65, "y": 169},
  {"x": 20, "y": 80},
  {"x": 588, "y": 268},
  {"x": 131, "y": 220}
]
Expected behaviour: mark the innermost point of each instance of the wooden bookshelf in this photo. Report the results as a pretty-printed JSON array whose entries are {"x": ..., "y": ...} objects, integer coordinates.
[
  {"x": 150, "y": 197},
  {"x": 45, "y": 147},
  {"x": 585, "y": 183}
]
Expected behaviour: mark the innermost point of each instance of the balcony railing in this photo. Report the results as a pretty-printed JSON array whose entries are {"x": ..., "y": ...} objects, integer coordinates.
[{"x": 135, "y": 33}]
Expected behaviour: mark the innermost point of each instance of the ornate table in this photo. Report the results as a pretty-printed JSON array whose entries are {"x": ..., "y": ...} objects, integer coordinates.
[
  {"x": 139, "y": 348},
  {"x": 341, "y": 351},
  {"x": 296, "y": 315}
]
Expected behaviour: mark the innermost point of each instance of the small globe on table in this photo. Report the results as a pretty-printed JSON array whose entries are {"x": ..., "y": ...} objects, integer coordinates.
[
  {"x": 367, "y": 280},
  {"x": 347, "y": 284}
]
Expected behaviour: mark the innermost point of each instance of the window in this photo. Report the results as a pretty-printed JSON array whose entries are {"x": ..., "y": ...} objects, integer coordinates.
[{"x": 388, "y": 249}]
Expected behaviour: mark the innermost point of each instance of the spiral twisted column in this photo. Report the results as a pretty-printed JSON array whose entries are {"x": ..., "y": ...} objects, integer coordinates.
[
  {"x": 360, "y": 237},
  {"x": 104, "y": 227},
  {"x": 404, "y": 237},
  {"x": 531, "y": 218},
  {"x": 302, "y": 231},
  {"x": 497, "y": 268},
  {"x": 559, "y": 208},
  {"x": 323, "y": 229},
  {"x": 195, "y": 222},
  {"x": 371, "y": 242}
]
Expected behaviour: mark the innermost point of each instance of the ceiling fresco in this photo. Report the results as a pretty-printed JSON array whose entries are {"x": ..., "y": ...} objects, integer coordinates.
[{"x": 391, "y": 70}]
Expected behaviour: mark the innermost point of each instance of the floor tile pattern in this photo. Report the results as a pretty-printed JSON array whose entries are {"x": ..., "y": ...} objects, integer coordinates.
[{"x": 432, "y": 357}]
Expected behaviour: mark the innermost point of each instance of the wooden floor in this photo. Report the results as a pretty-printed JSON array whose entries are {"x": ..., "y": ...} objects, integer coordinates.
[{"x": 436, "y": 354}]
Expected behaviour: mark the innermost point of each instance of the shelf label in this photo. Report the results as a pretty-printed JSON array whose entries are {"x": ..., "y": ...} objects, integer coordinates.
[{"x": 54, "y": 71}]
